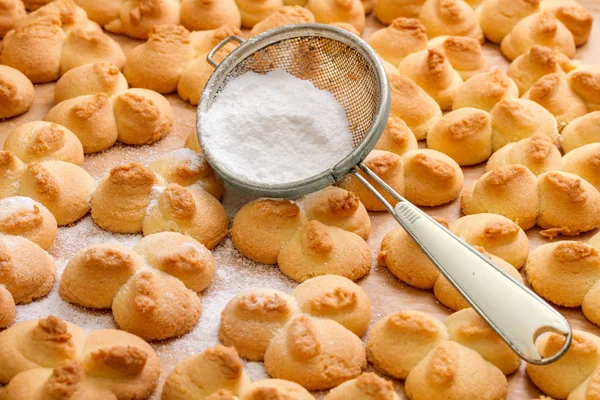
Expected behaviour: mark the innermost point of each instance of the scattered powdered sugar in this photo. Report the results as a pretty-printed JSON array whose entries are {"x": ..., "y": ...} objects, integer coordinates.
[{"x": 275, "y": 128}]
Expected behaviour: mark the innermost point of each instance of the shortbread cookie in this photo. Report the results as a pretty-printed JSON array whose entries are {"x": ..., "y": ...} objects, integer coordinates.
[
  {"x": 63, "y": 188},
  {"x": 287, "y": 15},
  {"x": 337, "y": 298},
  {"x": 585, "y": 81},
  {"x": 387, "y": 166},
  {"x": 95, "y": 274},
  {"x": 99, "y": 77},
  {"x": 467, "y": 328},
  {"x": 399, "y": 341},
  {"x": 450, "y": 17},
  {"x": 538, "y": 153},
  {"x": 387, "y": 11},
  {"x": 368, "y": 386},
  {"x": 22, "y": 216},
  {"x": 41, "y": 141},
  {"x": 517, "y": 119},
  {"x": 581, "y": 131},
  {"x": 317, "y": 249},
  {"x": 262, "y": 227},
  {"x": 12, "y": 11},
  {"x": 403, "y": 37},
  {"x": 217, "y": 369},
  {"x": 587, "y": 388},
  {"x": 199, "y": 15},
  {"x": 346, "y": 26},
  {"x": 431, "y": 178},
  {"x": 11, "y": 170},
  {"x": 338, "y": 207},
  {"x": 205, "y": 41},
  {"x": 485, "y": 90},
  {"x": 464, "y": 134},
  {"x": 431, "y": 70},
  {"x": 7, "y": 308},
  {"x": 251, "y": 319},
  {"x": 464, "y": 53},
  {"x": 529, "y": 67},
  {"x": 255, "y": 11},
  {"x": 186, "y": 168},
  {"x": 155, "y": 305},
  {"x": 328, "y": 11},
  {"x": 497, "y": 235},
  {"x": 192, "y": 142},
  {"x": 318, "y": 354},
  {"x": 397, "y": 137},
  {"x": 275, "y": 388},
  {"x": 498, "y": 17},
  {"x": 121, "y": 198},
  {"x": 583, "y": 162},
  {"x": 589, "y": 306},
  {"x": 573, "y": 15},
  {"x": 17, "y": 92},
  {"x": 137, "y": 19},
  {"x": 99, "y": 12},
  {"x": 455, "y": 372}
]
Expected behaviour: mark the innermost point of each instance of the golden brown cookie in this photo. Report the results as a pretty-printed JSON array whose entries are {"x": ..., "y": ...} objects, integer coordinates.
[
  {"x": 529, "y": 67},
  {"x": 277, "y": 389},
  {"x": 498, "y": 17},
  {"x": 12, "y": 11},
  {"x": 485, "y": 90},
  {"x": 328, "y": 11},
  {"x": 397, "y": 137},
  {"x": 464, "y": 134},
  {"x": 137, "y": 18},
  {"x": 588, "y": 388},
  {"x": 11, "y": 170},
  {"x": 16, "y": 90},
  {"x": 584, "y": 162},
  {"x": 318, "y": 354},
  {"x": 100, "y": 77},
  {"x": 368, "y": 386},
  {"x": 337, "y": 298},
  {"x": 538, "y": 153},
  {"x": 101, "y": 13},
  {"x": 22, "y": 216},
  {"x": 450, "y": 17},
  {"x": 84, "y": 46},
  {"x": 573, "y": 15},
  {"x": 399, "y": 341},
  {"x": 581, "y": 131},
  {"x": 7, "y": 308},
  {"x": 387, "y": 11},
  {"x": 199, "y": 15},
  {"x": 254, "y": 11},
  {"x": 205, "y": 41},
  {"x": 585, "y": 81},
  {"x": 589, "y": 306},
  {"x": 464, "y": 53},
  {"x": 317, "y": 249},
  {"x": 41, "y": 141},
  {"x": 403, "y": 37},
  {"x": 287, "y": 15}
]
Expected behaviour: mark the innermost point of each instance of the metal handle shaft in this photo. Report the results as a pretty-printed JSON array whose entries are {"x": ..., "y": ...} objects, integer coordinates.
[{"x": 211, "y": 54}]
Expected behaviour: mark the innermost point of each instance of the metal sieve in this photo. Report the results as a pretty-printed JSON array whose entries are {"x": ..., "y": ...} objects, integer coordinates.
[{"x": 341, "y": 63}]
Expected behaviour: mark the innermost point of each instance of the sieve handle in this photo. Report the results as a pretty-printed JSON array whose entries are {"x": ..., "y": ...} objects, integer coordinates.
[
  {"x": 218, "y": 47},
  {"x": 513, "y": 311}
]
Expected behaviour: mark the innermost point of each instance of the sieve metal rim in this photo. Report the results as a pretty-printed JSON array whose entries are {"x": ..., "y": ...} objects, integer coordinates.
[{"x": 327, "y": 177}]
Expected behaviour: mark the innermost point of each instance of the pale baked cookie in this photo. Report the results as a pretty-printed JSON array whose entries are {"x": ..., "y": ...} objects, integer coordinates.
[
  {"x": 287, "y": 15},
  {"x": 464, "y": 134},
  {"x": 498, "y": 235},
  {"x": 155, "y": 305},
  {"x": 554, "y": 93},
  {"x": 11, "y": 170},
  {"x": 99, "y": 77},
  {"x": 200, "y": 15},
  {"x": 216, "y": 370},
  {"x": 121, "y": 198},
  {"x": 251, "y": 319},
  {"x": 346, "y": 26},
  {"x": 186, "y": 167},
  {"x": 12, "y": 12},
  {"x": 262, "y": 227},
  {"x": 337, "y": 298},
  {"x": 569, "y": 205},
  {"x": 529, "y": 67},
  {"x": 22, "y": 216},
  {"x": 63, "y": 188},
  {"x": 41, "y": 141},
  {"x": 28, "y": 272},
  {"x": 7, "y": 308},
  {"x": 328, "y": 11},
  {"x": 397, "y": 137},
  {"x": 101, "y": 12},
  {"x": 538, "y": 153},
  {"x": 191, "y": 211},
  {"x": 180, "y": 256},
  {"x": 137, "y": 18},
  {"x": 464, "y": 53},
  {"x": 390, "y": 70},
  {"x": 584, "y": 162},
  {"x": 205, "y": 41},
  {"x": 431, "y": 178},
  {"x": 498, "y": 17},
  {"x": 517, "y": 119},
  {"x": 541, "y": 28},
  {"x": 573, "y": 15},
  {"x": 589, "y": 306},
  {"x": 277, "y": 389},
  {"x": 588, "y": 388},
  {"x": 254, "y": 11},
  {"x": 414, "y": 106},
  {"x": 85, "y": 46},
  {"x": 338, "y": 207},
  {"x": 318, "y": 354},
  {"x": 467, "y": 328},
  {"x": 91, "y": 118},
  {"x": 485, "y": 90},
  {"x": 405, "y": 259},
  {"x": 158, "y": 63},
  {"x": 400, "y": 340},
  {"x": 368, "y": 386},
  {"x": 142, "y": 116},
  {"x": 581, "y": 131},
  {"x": 561, "y": 377},
  {"x": 317, "y": 249},
  {"x": 511, "y": 191},
  {"x": 433, "y": 73},
  {"x": 450, "y": 17},
  {"x": 388, "y": 10},
  {"x": 94, "y": 275},
  {"x": 585, "y": 81},
  {"x": 447, "y": 294},
  {"x": 387, "y": 166},
  {"x": 455, "y": 372},
  {"x": 403, "y": 37},
  {"x": 17, "y": 92}
]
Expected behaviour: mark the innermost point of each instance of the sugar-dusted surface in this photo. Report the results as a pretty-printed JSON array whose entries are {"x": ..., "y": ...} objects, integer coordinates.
[{"x": 234, "y": 273}]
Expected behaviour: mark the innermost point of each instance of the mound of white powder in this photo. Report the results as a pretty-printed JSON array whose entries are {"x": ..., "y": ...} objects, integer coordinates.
[{"x": 276, "y": 128}]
